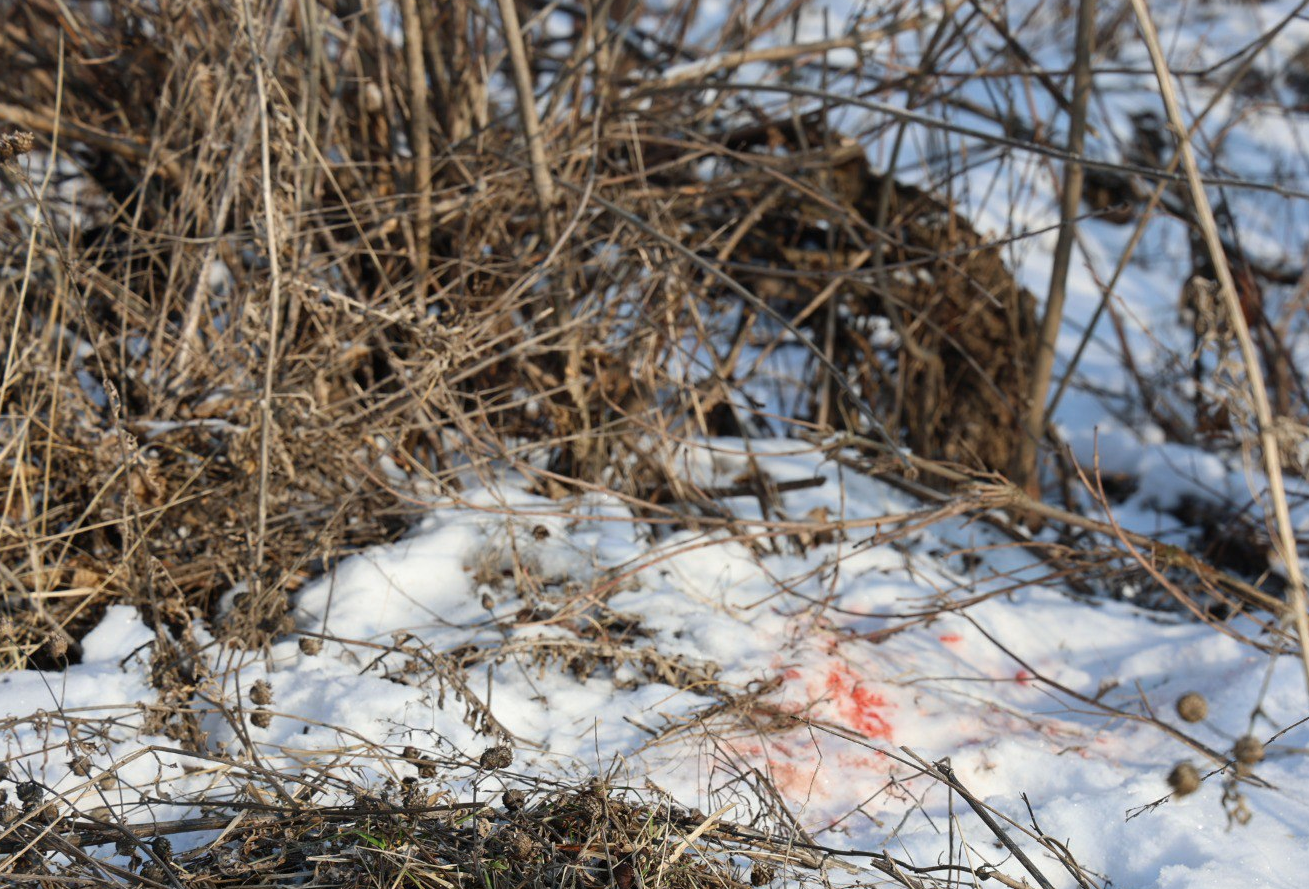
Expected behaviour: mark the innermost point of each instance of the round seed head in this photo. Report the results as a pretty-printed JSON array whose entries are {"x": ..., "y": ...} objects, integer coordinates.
[
  {"x": 1184, "y": 779},
  {"x": 1192, "y": 707},
  {"x": 519, "y": 845},
  {"x": 261, "y": 693},
  {"x": 1248, "y": 750},
  {"x": 498, "y": 757},
  {"x": 30, "y": 793}
]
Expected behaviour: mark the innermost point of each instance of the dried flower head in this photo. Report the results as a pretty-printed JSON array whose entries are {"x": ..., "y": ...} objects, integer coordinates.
[
  {"x": 1184, "y": 779},
  {"x": 1248, "y": 750},
  {"x": 519, "y": 845},
  {"x": 57, "y": 647},
  {"x": 1192, "y": 707},
  {"x": 13, "y": 145},
  {"x": 498, "y": 757},
  {"x": 261, "y": 693}
]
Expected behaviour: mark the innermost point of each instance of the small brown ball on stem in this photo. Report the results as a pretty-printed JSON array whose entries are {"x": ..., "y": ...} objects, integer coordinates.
[
  {"x": 261, "y": 693},
  {"x": 1184, "y": 779},
  {"x": 1248, "y": 750},
  {"x": 1192, "y": 707},
  {"x": 498, "y": 757}
]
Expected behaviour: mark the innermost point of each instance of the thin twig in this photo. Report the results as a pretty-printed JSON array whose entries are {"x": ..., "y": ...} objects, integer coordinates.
[{"x": 274, "y": 296}]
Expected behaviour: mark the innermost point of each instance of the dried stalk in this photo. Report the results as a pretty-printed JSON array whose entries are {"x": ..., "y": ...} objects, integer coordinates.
[
  {"x": 541, "y": 178},
  {"x": 420, "y": 134},
  {"x": 274, "y": 294},
  {"x": 1284, "y": 531},
  {"x": 1025, "y": 471}
]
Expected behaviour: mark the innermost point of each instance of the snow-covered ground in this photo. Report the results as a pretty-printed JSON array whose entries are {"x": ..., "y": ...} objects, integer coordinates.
[
  {"x": 701, "y": 663},
  {"x": 709, "y": 663}
]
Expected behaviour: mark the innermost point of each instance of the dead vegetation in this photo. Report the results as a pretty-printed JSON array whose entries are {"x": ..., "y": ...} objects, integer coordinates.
[
  {"x": 273, "y": 272},
  {"x": 196, "y": 401}
]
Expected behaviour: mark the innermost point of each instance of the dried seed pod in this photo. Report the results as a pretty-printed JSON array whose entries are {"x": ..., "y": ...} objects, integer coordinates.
[
  {"x": 13, "y": 145},
  {"x": 1192, "y": 707},
  {"x": 81, "y": 767},
  {"x": 57, "y": 647},
  {"x": 540, "y": 532},
  {"x": 310, "y": 645},
  {"x": 519, "y": 845},
  {"x": 163, "y": 847},
  {"x": 761, "y": 874},
  {"x": 30, "y": 793},
  {"x": 261, "y": 693},
  {"x": 261, "y": 718},
  {"x": 1248, "y": 750},
  {"x": 498, "y": 757},
  {"x": 513, "y": 800},
  {"x": 1184, "y": 779}
]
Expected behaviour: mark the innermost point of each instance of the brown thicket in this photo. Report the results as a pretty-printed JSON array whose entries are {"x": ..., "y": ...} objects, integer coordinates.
[{"x": 139, "y": 317}]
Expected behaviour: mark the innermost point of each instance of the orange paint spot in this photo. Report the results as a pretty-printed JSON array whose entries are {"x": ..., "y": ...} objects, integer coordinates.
[
  {"x": 951, "y": 638},
  {"x": 857, "y": 705},
  {"x": 794, "y": 780}
]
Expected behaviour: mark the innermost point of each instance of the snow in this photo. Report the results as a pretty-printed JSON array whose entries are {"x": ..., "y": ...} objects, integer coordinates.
[
  {"x": 844, "y": 652},
  {"x": 840, "y": 670}
]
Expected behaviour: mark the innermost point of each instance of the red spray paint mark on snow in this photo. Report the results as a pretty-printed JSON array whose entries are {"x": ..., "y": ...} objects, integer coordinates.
[
  {"x": 951, "y": 638},
  {"x": 857, "y": 705},
  {"x": 811, "y": 766}
]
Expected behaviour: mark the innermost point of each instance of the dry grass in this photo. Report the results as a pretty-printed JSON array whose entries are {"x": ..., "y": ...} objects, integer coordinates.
[
  {"x": 272, "y": 273},
  {"x": 208, "y": 385}
]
